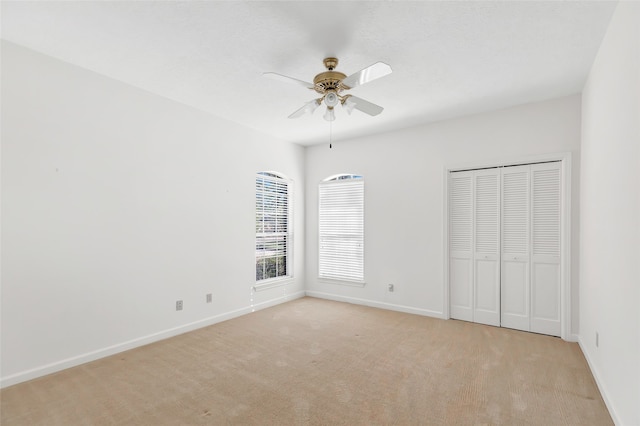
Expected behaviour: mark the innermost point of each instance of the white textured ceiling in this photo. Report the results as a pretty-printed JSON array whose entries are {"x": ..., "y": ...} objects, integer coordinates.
[{"x": 448, "y": 58}]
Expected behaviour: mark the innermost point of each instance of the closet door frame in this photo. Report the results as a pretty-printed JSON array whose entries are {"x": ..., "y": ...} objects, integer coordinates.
[{"x": 565, "y": 237}]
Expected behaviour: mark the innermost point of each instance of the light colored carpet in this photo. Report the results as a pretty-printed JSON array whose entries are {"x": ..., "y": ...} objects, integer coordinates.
[{"x": 318, "y": 362}]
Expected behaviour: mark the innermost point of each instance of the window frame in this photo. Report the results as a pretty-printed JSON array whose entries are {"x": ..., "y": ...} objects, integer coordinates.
[
  {"x": 276, "y": 281},
  {"x": 359, "y": 280}
]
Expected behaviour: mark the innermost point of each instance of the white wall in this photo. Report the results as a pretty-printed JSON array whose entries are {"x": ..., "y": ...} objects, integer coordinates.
[
  {"x": 115, "y": 204},
  {"x": 404, "y": 200},
  {"x": 610, "y": 222}
]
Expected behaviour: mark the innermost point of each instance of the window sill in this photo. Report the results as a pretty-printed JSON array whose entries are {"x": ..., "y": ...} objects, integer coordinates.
[
  {"x": 342, "y": 282},
  {"x": 272, "y": 283}
]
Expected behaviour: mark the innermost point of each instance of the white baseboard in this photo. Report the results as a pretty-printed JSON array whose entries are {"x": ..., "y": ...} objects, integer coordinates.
[
  {"x": 279, "y": 300},
  {"x": 599, "y": 383},
  {"x": 54, "y": 367},
  {"x": 376, "y": 304}
]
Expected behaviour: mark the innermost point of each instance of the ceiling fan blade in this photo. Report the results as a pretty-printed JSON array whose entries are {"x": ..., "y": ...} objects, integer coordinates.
[
  {"x": 309, "y": 107},
  {"x": 360, "y": 104},
  {"x": 286, "y": 79},
  {"x": 373, "y": 72}
]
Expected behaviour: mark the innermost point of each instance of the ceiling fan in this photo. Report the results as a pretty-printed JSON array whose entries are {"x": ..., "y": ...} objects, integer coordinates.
[{"x": 331, "y": 84}]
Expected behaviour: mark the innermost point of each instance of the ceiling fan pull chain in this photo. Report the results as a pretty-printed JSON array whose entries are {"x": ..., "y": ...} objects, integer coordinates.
[{"x": 330, "y": 134}]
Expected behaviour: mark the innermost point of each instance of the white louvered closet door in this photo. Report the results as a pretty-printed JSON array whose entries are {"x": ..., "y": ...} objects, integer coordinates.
[
  {"x": 486, "y": 224},
  {"x": 505, "y": 246},
  {"x": 460, "y": 245},
  {"x": 515, "y": 259},
  {"x": 545, "y": 248}
]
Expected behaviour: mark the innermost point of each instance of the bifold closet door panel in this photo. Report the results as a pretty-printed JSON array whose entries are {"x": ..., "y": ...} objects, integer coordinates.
[
  {"x": 515, "y": 262},
  {"x": 460, "y": 245},
  {"x": 505, "y": 246},
  {"x": 545, "y": 248},
  {"x": 486, "y": 291}
]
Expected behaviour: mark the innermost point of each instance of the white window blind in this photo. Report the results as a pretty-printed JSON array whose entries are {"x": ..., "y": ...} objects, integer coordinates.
[
  {"x": 272, "y": 226},
  {"x": 341, "y": 228}
]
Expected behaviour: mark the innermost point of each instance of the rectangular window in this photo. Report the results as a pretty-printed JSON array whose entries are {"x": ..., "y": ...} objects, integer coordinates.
[
  {"x": 273, "y": 217},
  {"x": 341, "y": 229}
]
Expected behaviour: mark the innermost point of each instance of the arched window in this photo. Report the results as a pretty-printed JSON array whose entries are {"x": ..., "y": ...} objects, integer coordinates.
[
  {"x": 273, "y": 226},
  {"x": 341, "y": 228}
]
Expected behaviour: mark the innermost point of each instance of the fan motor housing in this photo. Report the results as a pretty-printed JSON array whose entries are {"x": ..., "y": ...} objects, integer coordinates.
[{"x": 328, "y": 80}]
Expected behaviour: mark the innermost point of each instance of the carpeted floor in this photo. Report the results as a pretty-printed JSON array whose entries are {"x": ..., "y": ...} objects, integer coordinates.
[{"x": 318, "y": 362}]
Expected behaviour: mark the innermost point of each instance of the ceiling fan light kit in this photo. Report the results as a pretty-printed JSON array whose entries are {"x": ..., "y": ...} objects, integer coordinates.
[
  {"x": 330, "y": 84},
  {"x": 348, "y": 104},
  {"x": 329, "y": 115},
  {"x": 331, "y": 99}
]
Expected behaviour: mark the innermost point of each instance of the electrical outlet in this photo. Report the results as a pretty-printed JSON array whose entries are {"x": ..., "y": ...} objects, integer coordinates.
[
  {"x": 209, "y": 297},
  {"x": 597, "y": 339},
  {"x": 179, "y": 305},
  {"x": 391, "y": 288}
]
